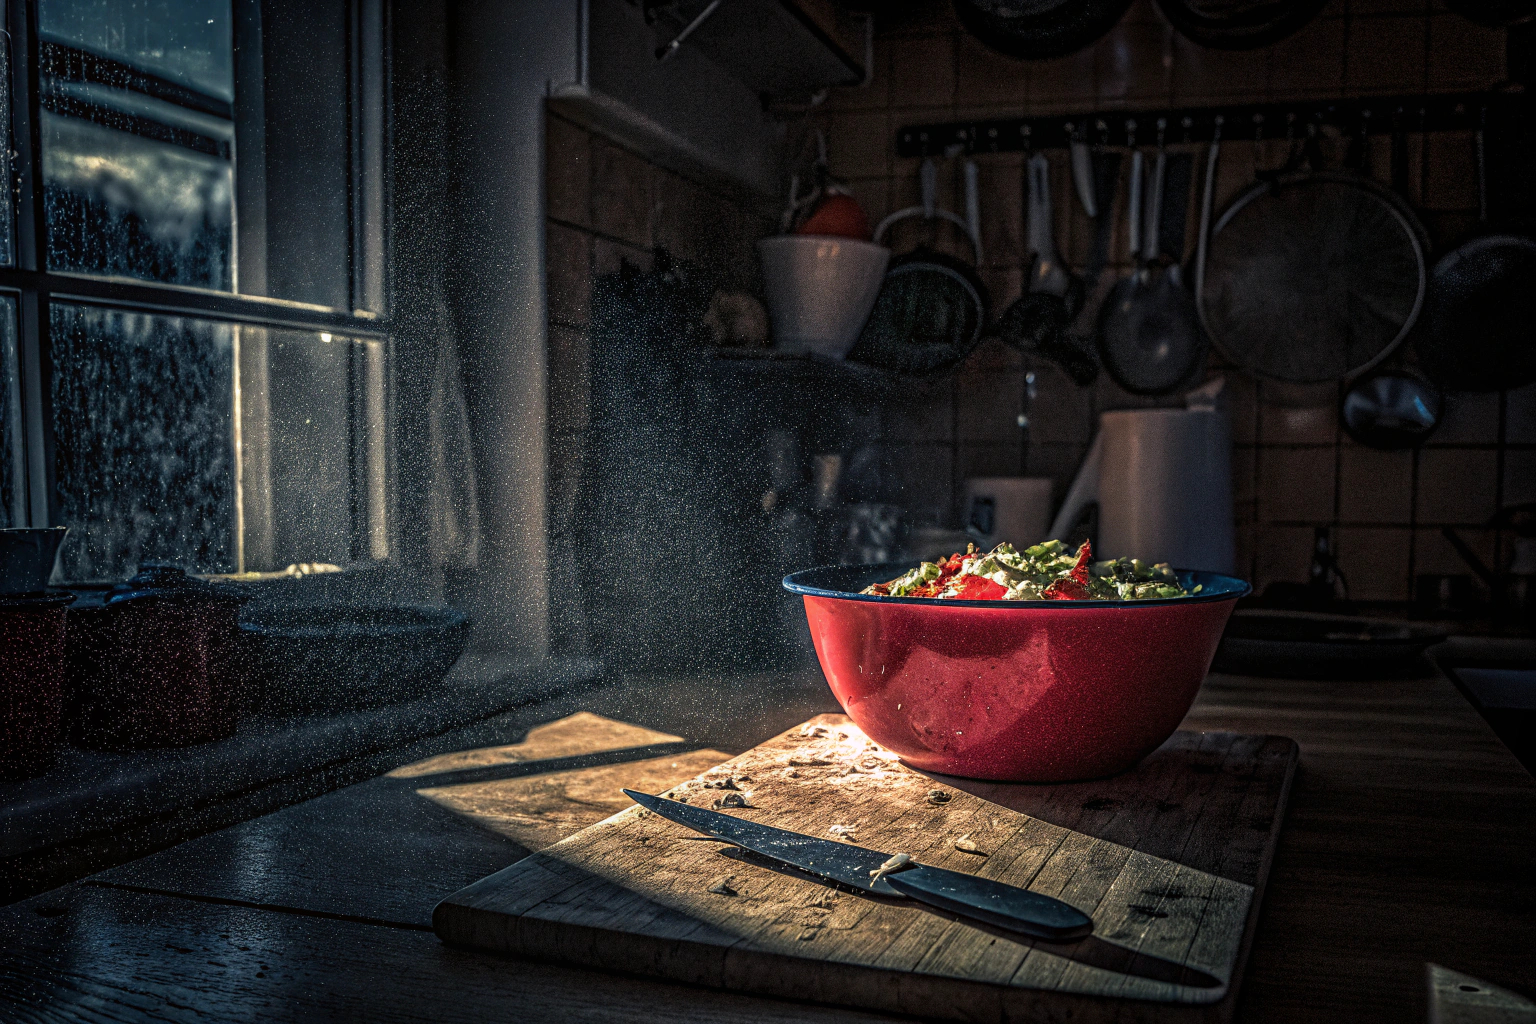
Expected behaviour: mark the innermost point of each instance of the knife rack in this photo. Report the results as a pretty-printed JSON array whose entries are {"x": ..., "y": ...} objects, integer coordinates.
[{"x": 1369, "y": 115}]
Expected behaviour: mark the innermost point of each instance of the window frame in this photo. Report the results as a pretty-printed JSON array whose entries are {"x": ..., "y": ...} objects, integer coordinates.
[{"x": 35, "y": 288}]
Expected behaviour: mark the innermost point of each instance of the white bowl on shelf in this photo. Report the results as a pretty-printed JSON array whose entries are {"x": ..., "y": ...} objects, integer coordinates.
[{"x": 820, "y": 289}]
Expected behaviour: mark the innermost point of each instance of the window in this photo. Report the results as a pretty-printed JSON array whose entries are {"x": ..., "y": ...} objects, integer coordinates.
[{"x": 194, "y": 344}]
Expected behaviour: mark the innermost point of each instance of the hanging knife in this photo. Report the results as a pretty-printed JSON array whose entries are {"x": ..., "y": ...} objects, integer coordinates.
[
  {"x": 1082, "y": 175},
  {"x": 1006, "y": 906}
]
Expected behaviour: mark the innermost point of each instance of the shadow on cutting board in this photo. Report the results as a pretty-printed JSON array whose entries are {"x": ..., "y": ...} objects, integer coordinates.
[
  {"x": 1205, "y": 800},
  {"x": 1092, "y": 951}
]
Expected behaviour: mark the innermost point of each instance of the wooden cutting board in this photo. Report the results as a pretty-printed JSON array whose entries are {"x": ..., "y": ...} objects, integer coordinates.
[{"x": 1169, "y": 859}]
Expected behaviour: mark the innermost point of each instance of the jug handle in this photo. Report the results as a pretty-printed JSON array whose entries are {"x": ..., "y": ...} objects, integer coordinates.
[{"x": 1083, "y": 492}]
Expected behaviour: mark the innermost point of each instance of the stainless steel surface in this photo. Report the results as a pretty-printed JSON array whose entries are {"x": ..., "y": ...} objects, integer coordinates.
[
  {"x": 1082, "y": 177},
  {"x": 1396, "y": 409},
  {"x": 1005, "y": 906},
  {"x": 1047, "y": 274},
  {"x": 826, "y": 858}
]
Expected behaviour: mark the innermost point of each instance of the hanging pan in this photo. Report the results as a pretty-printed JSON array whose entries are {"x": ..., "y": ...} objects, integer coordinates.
[
  {"x": 1476, "y": 334},
  {"x": 931, "y": 307},
  {"x": 1239, "y": 24},
  {"x": 1039, "y": 29},
  {"x": 1312, "y": 276}
]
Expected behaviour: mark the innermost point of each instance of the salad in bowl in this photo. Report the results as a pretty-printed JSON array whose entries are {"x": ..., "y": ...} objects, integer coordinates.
[{"x": 1027, "y": 665}]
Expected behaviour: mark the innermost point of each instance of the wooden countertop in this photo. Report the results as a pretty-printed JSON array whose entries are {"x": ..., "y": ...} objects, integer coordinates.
[{"x": 1411, "y": 838}]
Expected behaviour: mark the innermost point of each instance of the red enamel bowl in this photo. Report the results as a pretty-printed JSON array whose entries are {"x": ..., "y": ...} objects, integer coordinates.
[{"x": 1020, "y": 691}]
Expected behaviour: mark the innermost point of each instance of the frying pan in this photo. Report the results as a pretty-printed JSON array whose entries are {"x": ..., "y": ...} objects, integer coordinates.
[
  {"x": 1150, "y": 338},
  {"x": 1476, "y": 334},
  {"x": 1312, "y": 276},
  {"x": 931, "y": 307},
  {"x": 1239, "y": 24},
  {"x": 1039, "y": 29}
]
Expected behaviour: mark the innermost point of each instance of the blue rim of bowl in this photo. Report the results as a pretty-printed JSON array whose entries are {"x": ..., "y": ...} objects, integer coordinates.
[{"x": 1233, "y": 589}]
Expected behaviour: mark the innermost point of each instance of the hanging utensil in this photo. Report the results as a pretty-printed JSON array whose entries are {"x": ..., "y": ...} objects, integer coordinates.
[
  {"x": 1038, "y": 321},
  {"x": 1047, "y": 273},
  {"x": 1477, "y": 321},
  {"x": 1133, "y": 208},
  {"x": 1149, "y": 334},
  {"x": 1310, "y": 276},
  {"x": 1082, "y": 175},
  {"x": 931, "y": 307},
  {"x": 1039, "y": 29},
  {"x": 1391, "y": 410}
]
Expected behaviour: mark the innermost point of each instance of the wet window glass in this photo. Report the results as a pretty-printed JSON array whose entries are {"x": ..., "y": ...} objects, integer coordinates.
[
  {"x": 219, "y": 447},
  {"x": 7, "y": 210},
  {"x": 12, "y": 456},
  {"x": 137, "y": 123},
  {"x": 144, "y": 432},
  {"x": 312, "y": 438}
]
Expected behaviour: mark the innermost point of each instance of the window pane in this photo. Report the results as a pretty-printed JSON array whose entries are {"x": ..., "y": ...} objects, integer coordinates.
[
  {"x": 312, "y": 430},
  {"x": 296, "y": 207},
  {"x": 7, "y": 206},
  {"x": 151, "y": 411},
  {"x": 12, "y": 456},
  {"x": 138, "y": 138},
  {"x": 143, "y": 419},
  {"x": 185, "y": 42}
]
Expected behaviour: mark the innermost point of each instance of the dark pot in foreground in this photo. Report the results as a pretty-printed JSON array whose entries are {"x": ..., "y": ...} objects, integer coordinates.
[
  {"x": 156, "y": 666},
  {"x": 31, "y": 682},
  {"x": 27, "y": 557}
]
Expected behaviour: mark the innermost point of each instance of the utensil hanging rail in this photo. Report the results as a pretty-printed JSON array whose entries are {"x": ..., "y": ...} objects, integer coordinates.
[{"x": 1369, "y": 115}]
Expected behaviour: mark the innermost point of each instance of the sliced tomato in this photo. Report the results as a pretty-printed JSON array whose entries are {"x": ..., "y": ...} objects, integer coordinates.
[
  {"x": 979, "y": 588},
  {"x": 1079, "y": 572},
  {"x": 1065, "y": 589}
]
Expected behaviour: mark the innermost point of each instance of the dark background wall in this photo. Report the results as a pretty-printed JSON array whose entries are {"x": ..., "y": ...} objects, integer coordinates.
[{"x": 1293, "y": 468}]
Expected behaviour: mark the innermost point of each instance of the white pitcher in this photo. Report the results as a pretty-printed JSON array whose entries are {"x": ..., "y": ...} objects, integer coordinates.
[{"x": 1163, "y": 482}]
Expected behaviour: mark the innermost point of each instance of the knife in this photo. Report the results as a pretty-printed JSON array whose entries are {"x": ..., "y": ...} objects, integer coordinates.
[{"x": 1006, "y": 906}]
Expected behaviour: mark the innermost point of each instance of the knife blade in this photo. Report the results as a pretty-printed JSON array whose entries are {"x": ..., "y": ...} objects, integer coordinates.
[{"x": 1006, "y": 906}]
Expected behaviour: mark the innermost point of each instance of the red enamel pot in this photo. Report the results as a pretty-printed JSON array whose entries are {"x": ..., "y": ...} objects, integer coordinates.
[{"x": 1019, "y": 691}]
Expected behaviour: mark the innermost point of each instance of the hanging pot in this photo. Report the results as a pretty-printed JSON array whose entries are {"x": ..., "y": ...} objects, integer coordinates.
[
  {"x": 931, "y": 307},
  {"x": 1476, "y": 334},
  {"x": 1039, "y": 29},
  {"x": 1239, "y": 24}
]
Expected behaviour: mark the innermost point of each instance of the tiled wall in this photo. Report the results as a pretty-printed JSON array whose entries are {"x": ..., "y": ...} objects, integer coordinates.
[
  {"x": 605, "y": 205},
  {"x": 1294, "y": 468}
]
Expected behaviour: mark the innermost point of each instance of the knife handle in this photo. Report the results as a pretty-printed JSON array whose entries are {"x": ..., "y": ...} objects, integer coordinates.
[{"x": 1006, "y": 906}]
